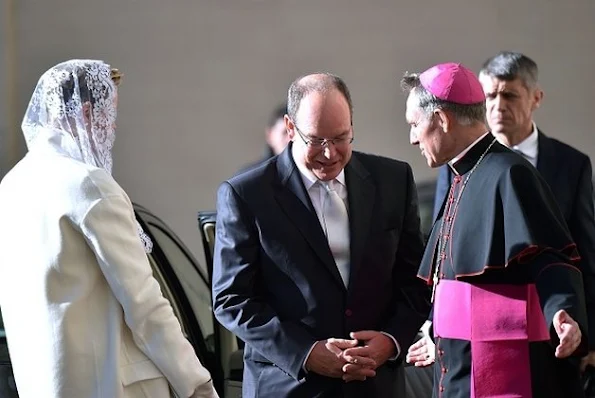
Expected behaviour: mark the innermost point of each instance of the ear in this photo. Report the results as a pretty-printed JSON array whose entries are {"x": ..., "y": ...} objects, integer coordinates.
[
  {"x": 290, "y": 127},
  {"x": 537, "y": 98},
  {"x": 87, "y": 111},
  {"x": 443, "y": 120},
  {"x": 87, "y": 115}
]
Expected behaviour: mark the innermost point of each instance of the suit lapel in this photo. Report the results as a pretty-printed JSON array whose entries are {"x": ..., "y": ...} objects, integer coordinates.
[
  {"x": 361, "y": 195},
  {"x": 546, "y": 159},
  {"x": 295, "y": 202}
]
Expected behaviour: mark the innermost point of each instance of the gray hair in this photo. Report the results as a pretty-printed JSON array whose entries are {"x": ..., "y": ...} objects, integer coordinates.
[
  {"x": 317, "y": 83},
  {"x": 466, "y": 115},
  {"x": 509, "y": 65}
]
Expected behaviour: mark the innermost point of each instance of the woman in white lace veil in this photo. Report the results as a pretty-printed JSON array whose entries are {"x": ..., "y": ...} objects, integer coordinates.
[
  {"x": 73, "y": 111},
  {"x": 76, "y": 285}
]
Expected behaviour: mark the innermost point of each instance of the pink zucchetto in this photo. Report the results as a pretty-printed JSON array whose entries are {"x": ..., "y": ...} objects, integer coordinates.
[{"x": 453, "y": 83}]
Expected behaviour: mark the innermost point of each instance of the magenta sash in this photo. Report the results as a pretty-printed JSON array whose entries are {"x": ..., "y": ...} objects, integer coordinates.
[{"x": 499, "y": 321}]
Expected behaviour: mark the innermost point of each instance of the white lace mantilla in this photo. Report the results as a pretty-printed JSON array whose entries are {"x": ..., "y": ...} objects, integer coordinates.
[{"x": 73, "y": 109}]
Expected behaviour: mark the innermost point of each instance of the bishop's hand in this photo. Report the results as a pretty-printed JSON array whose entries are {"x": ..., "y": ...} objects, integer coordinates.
[{"x": 568, "y": 332}]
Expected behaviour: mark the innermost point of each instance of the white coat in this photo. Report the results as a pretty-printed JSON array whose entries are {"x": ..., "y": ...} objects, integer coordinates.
[{"x": 83, "y": 314}]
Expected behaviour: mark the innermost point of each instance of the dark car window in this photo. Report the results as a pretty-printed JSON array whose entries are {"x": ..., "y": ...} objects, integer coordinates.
[
  {"x": 194, "y": 285},
  {"x": 167, "y": 293},
  {"x": 187, "y": 284}
]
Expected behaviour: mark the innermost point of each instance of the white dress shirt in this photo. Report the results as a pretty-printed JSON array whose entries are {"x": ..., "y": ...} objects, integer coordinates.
[
  {"x": 529, "y": 147},
  {"x": 317, "y": 195}
]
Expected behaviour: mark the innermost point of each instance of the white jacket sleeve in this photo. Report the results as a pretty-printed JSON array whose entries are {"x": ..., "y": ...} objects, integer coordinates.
[
  {"x": 205, "y": 391},
  {"x": 110, "y": 229}
]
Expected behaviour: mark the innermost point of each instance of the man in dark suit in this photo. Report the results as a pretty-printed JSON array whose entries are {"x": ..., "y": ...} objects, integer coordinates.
[
  {"x": 510, "y": 84},
  {"x": 275, "y": 136},
  {"x": 316, "y": 257}
]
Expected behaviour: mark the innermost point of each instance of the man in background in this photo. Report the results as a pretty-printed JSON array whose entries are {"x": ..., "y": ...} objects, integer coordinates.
[
  {"x": 276, "y": 136},
  {"x": 510, "y": 84}
]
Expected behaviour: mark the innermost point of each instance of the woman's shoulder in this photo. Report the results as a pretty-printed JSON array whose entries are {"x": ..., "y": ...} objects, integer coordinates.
[
  {"x": 85, "y": 183},
  {"x": 97, "y": 184}
]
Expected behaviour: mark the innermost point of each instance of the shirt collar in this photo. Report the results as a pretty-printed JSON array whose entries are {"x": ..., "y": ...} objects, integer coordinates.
[
  {"x": 308, "y": 177},
  {"x": 529, "y": 146}
]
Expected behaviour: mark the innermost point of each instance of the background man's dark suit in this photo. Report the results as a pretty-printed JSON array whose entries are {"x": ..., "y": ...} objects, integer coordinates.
[
  {"x": 568, "y": 173},
  {"x": 277, "y": 287}
]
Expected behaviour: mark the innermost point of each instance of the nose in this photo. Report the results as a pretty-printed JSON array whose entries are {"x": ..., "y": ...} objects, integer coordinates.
[
  {"x": 497, "y": 103},
  {"x": 329, "y": 150},
  {"x": 413, "y": 138}
]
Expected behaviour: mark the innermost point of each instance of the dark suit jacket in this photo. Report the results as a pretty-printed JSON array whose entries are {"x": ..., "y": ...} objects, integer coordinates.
[
  {"x": 568, "y": 173},
  {"x": 276, "y": 285}
]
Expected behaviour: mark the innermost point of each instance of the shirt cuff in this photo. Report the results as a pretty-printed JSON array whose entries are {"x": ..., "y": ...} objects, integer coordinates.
[
  {"x": 425, "y": 328},
  {"x": 397, "y": 346},
  {"x": 308, "y": 356}
]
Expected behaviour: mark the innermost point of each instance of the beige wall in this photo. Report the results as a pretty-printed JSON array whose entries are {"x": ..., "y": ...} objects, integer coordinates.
[{"x": 201, "y": 76}]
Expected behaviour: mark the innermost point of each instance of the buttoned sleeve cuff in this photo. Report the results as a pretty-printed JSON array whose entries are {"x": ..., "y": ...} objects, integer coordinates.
[{"x": 397, "y": 346}]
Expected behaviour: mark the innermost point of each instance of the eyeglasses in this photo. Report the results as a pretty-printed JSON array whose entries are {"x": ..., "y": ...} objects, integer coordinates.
[{"x": 315, "y": 142}]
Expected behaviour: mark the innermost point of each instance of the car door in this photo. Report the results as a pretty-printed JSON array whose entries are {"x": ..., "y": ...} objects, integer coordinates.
[
  {"x": 8, "y": 388},
  {"x": 184, "y": 282},
  {"x": 230, "y": 348}
]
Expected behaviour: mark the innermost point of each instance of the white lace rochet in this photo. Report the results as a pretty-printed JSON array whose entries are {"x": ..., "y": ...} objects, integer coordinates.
[{"x": 73, "y": 109}]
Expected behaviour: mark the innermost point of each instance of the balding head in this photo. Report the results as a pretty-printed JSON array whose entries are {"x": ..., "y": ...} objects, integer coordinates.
[
  {"x": 321, "y": 83},
  {"x": 318, "y": 122}
]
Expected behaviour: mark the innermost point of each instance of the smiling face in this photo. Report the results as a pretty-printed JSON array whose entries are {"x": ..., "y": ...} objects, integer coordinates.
[
  {"x": 426, "y": 132},
  {"x": 322, "y": 116}
]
